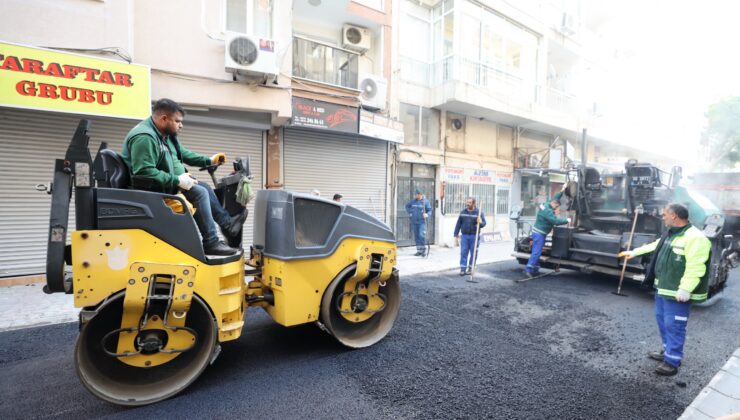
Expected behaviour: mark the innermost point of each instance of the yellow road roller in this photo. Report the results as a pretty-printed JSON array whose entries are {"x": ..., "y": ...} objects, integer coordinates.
[{"x": 155, "y": 308}]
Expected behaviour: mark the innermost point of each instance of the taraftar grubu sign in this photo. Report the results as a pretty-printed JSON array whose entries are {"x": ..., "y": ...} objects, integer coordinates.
[{"x": 38, "y": 78}]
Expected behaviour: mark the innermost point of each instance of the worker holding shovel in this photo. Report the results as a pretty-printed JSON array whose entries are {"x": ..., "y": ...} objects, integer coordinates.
[{"x": 469, "y": 223}]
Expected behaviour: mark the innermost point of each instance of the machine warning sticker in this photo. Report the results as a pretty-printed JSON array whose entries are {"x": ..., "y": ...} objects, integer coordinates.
[{"x": 117, "y": 258}]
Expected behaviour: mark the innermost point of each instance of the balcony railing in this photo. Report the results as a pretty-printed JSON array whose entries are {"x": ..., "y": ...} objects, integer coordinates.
[
  {"x": 562, "y": 101},
  {"x": 323, "y": 63}
]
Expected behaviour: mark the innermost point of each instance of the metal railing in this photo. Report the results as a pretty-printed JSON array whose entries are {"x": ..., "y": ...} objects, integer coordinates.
[
  {"x": 320, "y": 62},
  {"x": 562, "y": 101}
]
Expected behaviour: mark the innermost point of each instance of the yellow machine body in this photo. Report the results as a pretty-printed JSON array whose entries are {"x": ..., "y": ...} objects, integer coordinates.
[
  {"x": 298, "y": 285},
  {"x": 107, "y": 261}
]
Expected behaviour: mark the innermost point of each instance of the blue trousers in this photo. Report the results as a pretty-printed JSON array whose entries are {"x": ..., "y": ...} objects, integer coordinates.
[
  {"x": 538, "y": 241},
  {"x": 420, "y": 236},
  {"x": 672, "y": 318},
  {"x": 467, "y": 245},
  {"x": 202, "y": 197}
]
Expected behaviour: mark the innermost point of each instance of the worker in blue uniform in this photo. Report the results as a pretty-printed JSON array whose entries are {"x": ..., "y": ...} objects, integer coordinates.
[
  {"x": 469, "y": 223},
  {"x": 419, "y": 210}
]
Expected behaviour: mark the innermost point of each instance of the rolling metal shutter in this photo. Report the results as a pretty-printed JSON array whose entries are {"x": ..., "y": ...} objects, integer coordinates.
[
  {"x": 333, "y": 163},
  {"x": 32, "y": 140}
]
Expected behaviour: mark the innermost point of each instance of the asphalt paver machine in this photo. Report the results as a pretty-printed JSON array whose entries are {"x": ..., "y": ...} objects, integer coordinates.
[
  {"x": 616, "y": 211},
  {"x": 155, "y": 308}
]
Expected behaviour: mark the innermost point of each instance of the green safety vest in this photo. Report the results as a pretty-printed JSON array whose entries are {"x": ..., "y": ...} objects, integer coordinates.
[{"x": 681, "y": 262}]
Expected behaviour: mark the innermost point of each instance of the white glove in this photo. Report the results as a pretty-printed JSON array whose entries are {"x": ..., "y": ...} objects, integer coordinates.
[
  {"x": 186, "y": 182},
  {"x": 570, "y": 221},
  {"x": 425, "y": 215},
  {"x": 682, "y": 296}
]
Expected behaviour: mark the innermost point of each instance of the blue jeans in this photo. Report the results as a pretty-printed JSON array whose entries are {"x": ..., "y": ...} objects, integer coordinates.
[
  {"x": 672, "y": 318},
  {"x": 467, "y": 246},
  {"x": 538, "y": 241},
  {"x": 420, "y": 234},
  {"x": 202, "y": 197}
]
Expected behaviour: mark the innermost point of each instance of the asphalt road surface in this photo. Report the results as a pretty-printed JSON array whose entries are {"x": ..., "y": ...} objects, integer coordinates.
[{"x": 557, "y": 347}]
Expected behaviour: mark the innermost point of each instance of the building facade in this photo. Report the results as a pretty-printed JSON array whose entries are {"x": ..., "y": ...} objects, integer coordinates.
[
  {"x": 275, "y": 80},
  {"x": 495, "y": 97}
]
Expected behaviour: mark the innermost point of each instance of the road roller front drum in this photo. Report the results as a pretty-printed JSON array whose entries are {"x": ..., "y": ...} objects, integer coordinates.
[{"x": 107, "y": 377}]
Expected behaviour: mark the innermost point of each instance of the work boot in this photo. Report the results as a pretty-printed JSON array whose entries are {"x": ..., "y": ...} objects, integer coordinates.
[
  {"x": 469, "y": 271},
  {"x": 664, "y": 369},
  {"x": 462, "y": 271},
  {"x": 219, "y": 248},
  {"x": 656, "y": 355},
  {"x": 418, "y": 254},
  {"x": 236, "y": 224},
  {"x": 529, "y": 274}
]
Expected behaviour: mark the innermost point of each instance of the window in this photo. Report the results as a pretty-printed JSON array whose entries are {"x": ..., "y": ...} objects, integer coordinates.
[
  {"x": 414, "y": 43},
  {"x": 485, "y": 197},
  {"x": 534, "y": 193},
  {"x": 253, "y": 17},
  {"x": 314, "y": 221},
  {"x": 456, "y": 195},
  {"x": 497, "y": 52},
  {"x": 502, "y": 201},
  {"x": 316, "y": 61},
  {"x": 420, "y": 125}
]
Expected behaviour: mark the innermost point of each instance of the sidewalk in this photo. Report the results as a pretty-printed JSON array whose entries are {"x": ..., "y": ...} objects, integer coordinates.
[
  {"x": 721, "y": 396},
  {"x": 27, "y": 305}
]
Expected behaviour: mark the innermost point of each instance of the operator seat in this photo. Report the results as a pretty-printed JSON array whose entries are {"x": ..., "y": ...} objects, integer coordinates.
[
  {"x": 593, "y": 180},
  {"x": 115, "y": 170}
]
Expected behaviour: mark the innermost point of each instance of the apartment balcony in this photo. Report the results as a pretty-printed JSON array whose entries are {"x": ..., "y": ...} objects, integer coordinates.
[
  {"x": 318, "y": 62},
  {"x": 563, "y": 102},
  {"x": 457, "y": 84}
]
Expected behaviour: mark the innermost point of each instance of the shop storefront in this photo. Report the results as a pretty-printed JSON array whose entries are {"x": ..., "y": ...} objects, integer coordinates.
[
  {"x": 491, "y": 190},
  {"x": 324, "y": 151}
]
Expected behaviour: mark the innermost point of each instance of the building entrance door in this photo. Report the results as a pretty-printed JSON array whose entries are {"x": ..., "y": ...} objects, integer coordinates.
[{"x": 410, "y": 177}]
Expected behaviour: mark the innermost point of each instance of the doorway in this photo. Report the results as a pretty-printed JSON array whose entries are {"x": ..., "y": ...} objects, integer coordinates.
[{"x": 410, "y": 177}]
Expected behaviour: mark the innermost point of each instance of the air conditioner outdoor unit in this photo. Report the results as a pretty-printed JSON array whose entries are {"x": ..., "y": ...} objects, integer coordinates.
[
  {"x": 356, "y": 38},
  {"x": 250, "y": 55},
  {"x": 373, "y": 91}
]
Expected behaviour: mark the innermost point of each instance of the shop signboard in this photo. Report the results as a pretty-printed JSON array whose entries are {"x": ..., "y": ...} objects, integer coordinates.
[
  {"x": 50, "y": 80},
  {"x": 311, "y": 113},
  {"x": 470, "y": 176}
]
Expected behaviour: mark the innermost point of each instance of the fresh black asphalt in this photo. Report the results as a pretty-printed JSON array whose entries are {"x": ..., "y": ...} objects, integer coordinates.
[{"x": 560, "y": 346}]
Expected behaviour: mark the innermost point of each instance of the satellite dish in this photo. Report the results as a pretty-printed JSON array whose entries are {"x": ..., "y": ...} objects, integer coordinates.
[
  {"x": 369, "y": 89},
  {"x": 243, "y": 51}
]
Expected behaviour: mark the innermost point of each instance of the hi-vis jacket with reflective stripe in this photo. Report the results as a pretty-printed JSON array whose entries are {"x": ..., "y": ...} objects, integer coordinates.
[{"x": 681, "y": 262}]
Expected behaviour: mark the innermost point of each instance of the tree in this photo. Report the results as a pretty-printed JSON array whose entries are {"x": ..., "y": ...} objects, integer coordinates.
[{"x": 722, "y": 134}]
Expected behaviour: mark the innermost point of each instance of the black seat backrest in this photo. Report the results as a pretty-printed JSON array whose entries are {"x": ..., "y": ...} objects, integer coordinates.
[
  {"x": 593, "y": 179},
  {"x": 115, "y": 169}
]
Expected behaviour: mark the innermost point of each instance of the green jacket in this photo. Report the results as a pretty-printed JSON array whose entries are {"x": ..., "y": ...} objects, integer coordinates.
[
  {"x": 681, "y": 262},
  {"x": 546, "y": 218},
  {"x": 155, "y": 162}
]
